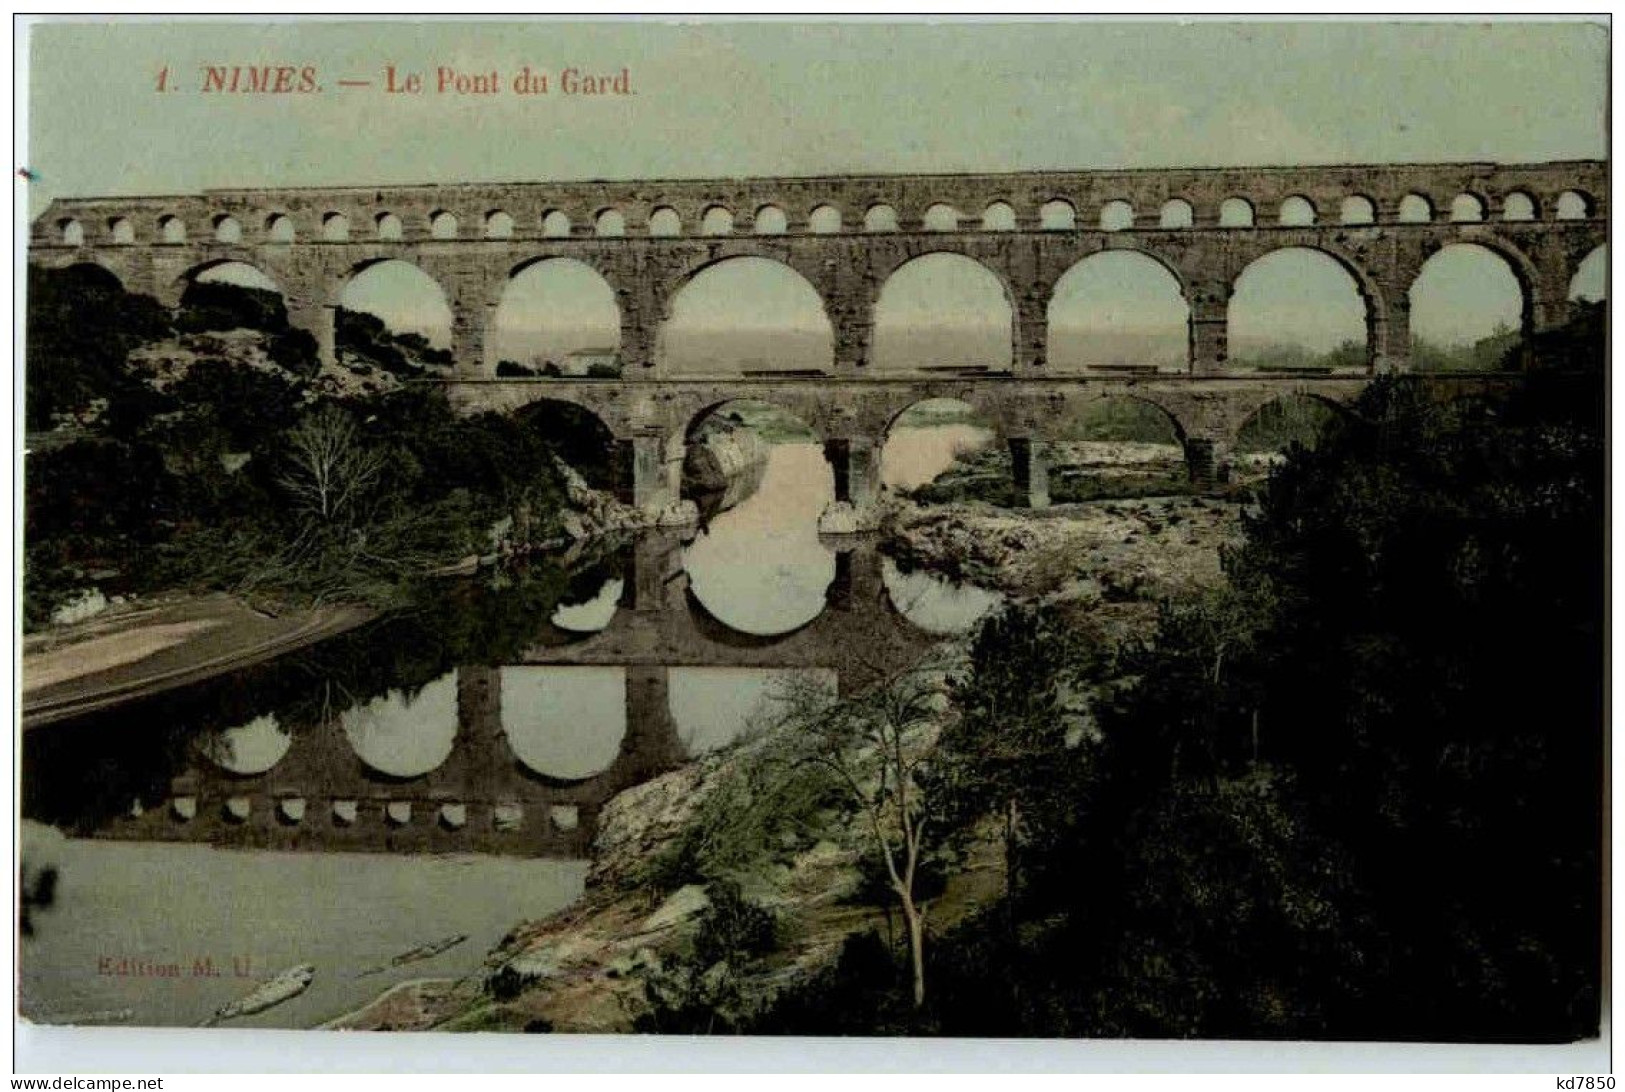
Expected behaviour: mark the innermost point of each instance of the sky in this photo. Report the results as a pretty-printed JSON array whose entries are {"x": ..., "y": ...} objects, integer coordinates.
[{"x": 800, "y": 98}]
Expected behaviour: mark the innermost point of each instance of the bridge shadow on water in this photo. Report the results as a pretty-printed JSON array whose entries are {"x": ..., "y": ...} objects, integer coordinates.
[{"x": 497, "y": 717}]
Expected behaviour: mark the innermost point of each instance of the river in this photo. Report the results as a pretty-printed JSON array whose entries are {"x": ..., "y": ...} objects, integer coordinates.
[{"x": 440, "y": 772}]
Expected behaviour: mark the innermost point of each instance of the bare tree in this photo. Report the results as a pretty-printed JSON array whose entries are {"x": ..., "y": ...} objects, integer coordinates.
[
  {"x": 329, "y": 469},
  {"x": 876, "y": 745}
]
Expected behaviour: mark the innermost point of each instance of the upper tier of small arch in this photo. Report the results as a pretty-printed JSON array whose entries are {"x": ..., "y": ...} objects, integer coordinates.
[{"x": 1129, "y": 199}]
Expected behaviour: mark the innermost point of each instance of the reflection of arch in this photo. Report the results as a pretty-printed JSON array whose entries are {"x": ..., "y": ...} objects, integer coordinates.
[
  {"x": 715, "y": 630},
  {"x": 247, "y": 750},
  {"x": 1116, "y": 306},
  {"x": 402, "y": 735},
  {"x": 564, "y": 725}
]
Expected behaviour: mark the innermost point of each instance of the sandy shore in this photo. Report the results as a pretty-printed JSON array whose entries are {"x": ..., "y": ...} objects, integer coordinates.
[{"x": 145, "y": 649}]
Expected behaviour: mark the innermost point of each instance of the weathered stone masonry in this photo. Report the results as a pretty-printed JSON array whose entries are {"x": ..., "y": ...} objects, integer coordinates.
[{"x": 1380, "y": 222}]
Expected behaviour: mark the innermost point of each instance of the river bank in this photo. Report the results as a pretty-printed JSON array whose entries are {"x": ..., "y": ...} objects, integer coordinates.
[{"x": 608, "y": 962}]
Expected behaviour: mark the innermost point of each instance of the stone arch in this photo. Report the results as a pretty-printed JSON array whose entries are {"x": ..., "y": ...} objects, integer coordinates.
[
  {"x": 1357, "y": 209},
  {"x": 1176, "y": 213},
  {"x": 761, "y": 296},
  {"x": 1295, "y": 416},
  {"x": 880, "y": 217},
  {"x": 1590, "y": 280},
  {"x": 1057, "y": 214},
  {"x": 121, "y": 231},
  {"x": 824, "y": 220},
  {"x": 402, "y": 300},
  {"x": 609, "y": 224},
  {"x": 717, "y": 220},
  {"x": 940, "y": 217},
  {"x": 1467, "y": 299},
  {"x": 279, "y": 228},
  {"x": 171, "y": 229},
  {"x": 71, "y": 232},
  {"x": 1414, "y": 208},
  {"x": 335, "y": 227},
  {"x": 555, "y": 224},
  {"x": 999, "y": 216},
  {"x": 387, "y": 226},
  {"x": 551, "y": 316},
  {"x": 911, "y": 456},
  {"x": 1116, "y": 215},
  {"x": 498, "y": 225},
  {"x": 1303, "y": 306},
  {"x": 770, "y": 220},
  {"x": 1297, "y": 211},
  {"x": 216, "y": 265},
  {"x": 1466, "y": 208},
  {"x": 1574, "y": 205},
  {"x": 1119, "y": 307},
  {"x": 228, "y": 229},
  {"x": 1519, "y": 205},
  {"x": 1236, "y": 212},
  {"x": 969, "y": 286},
  {"x": 1129, "y": 422},
  {"x": 574, "y": 423},
  {"x": 665, "y": 223},
  {"x": 442, "y": 225}
]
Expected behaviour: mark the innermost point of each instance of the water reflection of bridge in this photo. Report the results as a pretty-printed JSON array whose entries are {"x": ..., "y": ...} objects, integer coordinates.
[{"x": 323, "y": 794}]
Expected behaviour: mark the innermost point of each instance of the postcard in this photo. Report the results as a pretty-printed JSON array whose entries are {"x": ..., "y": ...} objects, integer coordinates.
[{"x": 1054, "y": 531}]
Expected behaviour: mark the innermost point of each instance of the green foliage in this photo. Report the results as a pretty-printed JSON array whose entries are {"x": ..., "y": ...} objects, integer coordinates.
[
  {"x": 219, "y": 305},
  {"x": 699, "y": 993},
  {"x": 81, "y": 327}
]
